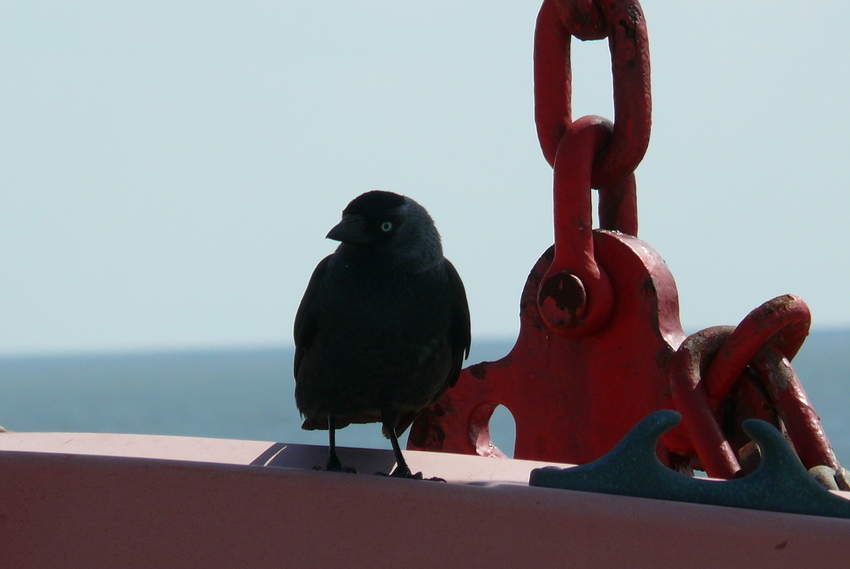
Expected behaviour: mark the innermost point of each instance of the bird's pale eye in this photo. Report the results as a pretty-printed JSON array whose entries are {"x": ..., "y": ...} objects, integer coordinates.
[{"x": 386, "y": 226}]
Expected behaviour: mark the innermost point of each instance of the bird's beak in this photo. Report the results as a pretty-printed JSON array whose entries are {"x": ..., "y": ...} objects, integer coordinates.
[{"x": 350, "y": 230}]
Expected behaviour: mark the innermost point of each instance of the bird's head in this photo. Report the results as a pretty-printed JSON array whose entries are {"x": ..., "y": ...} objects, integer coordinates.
[{"x": 390, "y": 222}]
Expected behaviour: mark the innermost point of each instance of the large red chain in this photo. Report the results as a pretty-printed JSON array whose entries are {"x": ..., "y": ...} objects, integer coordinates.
[{"x": 575, "y": 294}]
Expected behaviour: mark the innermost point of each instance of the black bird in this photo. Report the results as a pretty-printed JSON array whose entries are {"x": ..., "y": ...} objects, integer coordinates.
[{"x": 383, "y": 327}]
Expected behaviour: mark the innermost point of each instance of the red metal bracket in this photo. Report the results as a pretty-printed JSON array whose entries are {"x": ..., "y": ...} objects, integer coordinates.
[{"x": 572, "y": 398}]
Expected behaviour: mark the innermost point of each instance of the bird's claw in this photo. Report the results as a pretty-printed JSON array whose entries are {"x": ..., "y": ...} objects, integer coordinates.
[
  {"x": 405, "y": 473},
  {"x": 345, "y": 469},
  {"x": 401, "y": 474},
  {"x": 334, "y": 465},
  {"x": 409, "y": 475}
]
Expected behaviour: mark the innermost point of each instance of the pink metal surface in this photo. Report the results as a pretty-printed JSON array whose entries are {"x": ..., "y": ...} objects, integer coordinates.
[
  {"x": 59, "y": 509},
  {"x": 453, "y": 468}
]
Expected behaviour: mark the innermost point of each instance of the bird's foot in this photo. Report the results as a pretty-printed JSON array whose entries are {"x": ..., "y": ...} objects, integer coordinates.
[
  {"x": 405, "y": 473},
  {"x": 334, "y": 465},
  {"x": 435, "y": 479},
  {"x": 397, "y": 474},
  {"x": 346, "y": 469}
]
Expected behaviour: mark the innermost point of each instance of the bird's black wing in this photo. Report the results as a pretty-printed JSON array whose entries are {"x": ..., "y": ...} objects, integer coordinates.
[
  {"x": 461, "y": 336},
  {"x": 305, "y": 319}
]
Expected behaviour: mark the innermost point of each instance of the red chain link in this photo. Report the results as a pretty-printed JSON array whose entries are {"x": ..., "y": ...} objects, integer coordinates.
[
  {"x": 710, "y": 363},
  {"x": 622, "y": 22}
]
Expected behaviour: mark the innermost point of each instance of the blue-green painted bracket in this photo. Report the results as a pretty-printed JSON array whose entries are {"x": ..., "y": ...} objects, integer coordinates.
[{"x": 779, "y": 484}]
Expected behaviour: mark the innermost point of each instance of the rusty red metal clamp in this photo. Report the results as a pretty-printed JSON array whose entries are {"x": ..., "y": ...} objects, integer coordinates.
[{"x": 600, "y": 344}]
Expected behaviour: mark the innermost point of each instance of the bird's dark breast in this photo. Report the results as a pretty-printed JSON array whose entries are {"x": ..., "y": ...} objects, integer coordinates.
[{"x": 382, "y": 344}]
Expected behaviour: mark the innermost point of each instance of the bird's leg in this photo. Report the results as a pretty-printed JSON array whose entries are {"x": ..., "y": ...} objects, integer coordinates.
[
  {"x": 333, "y": 460},
  {"x": 334, "y": 465},
  {"x": 401, "y": 469}
]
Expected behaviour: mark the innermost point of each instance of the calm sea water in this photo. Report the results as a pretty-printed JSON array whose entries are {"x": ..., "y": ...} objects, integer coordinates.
[{"x": 247, "y": 394}]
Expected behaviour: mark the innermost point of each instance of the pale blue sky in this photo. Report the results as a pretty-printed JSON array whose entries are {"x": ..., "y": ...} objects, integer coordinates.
[{"x": 168, "y": 170}]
